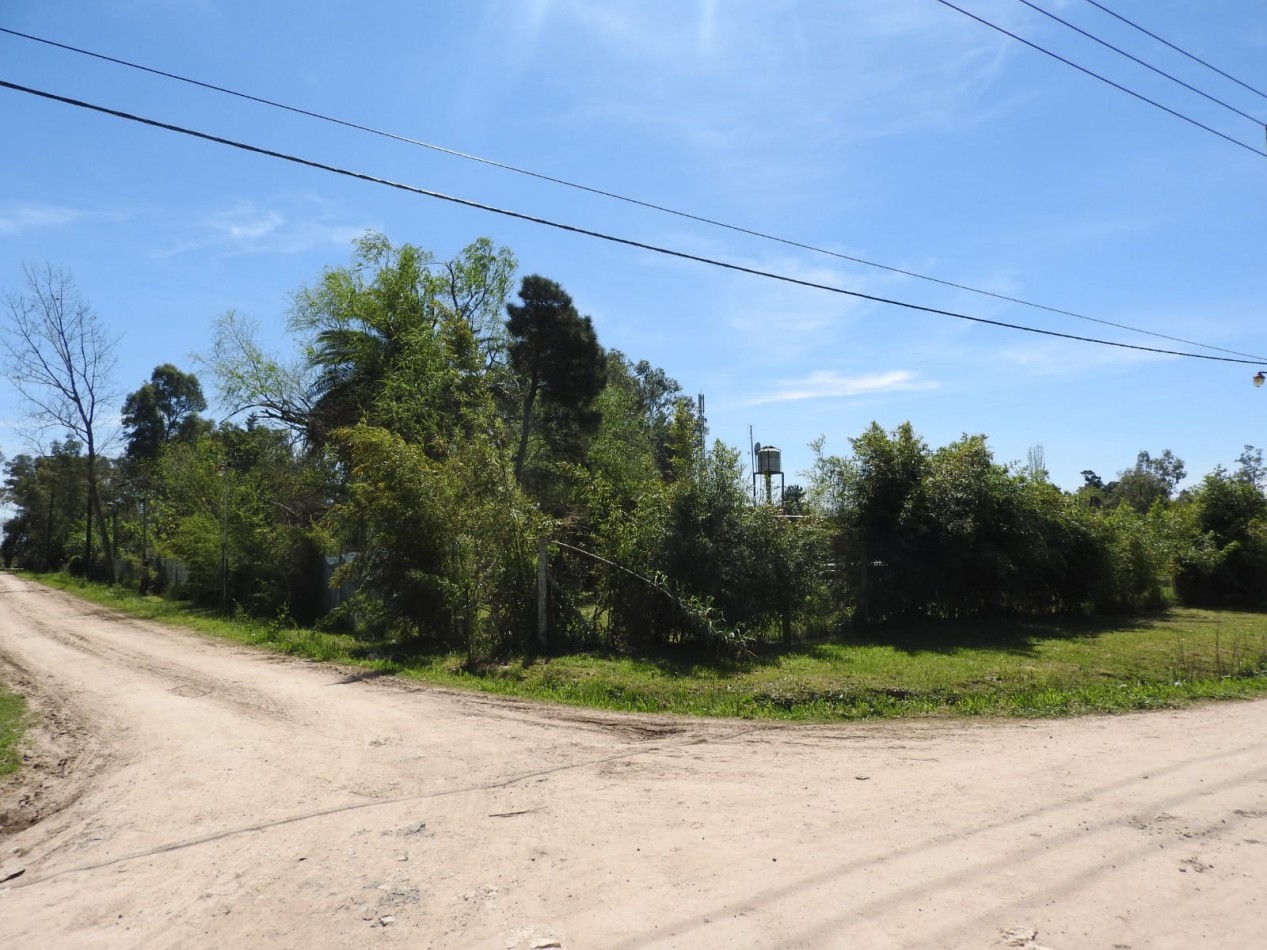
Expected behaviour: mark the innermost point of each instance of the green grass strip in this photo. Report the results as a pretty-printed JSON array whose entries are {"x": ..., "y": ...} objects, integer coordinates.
[
  {"x": 12, "y": 726},
  {"x": 1056, "y": 667}
]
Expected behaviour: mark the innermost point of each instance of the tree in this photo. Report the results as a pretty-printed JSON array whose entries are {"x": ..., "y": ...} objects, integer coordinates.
[
  {"x": 447, "y": 544},
  {"x": 875, "y": 503},
  {"x": 241, "y": 509},
  {"x": 1151, "y": 480},
  {"x": 395, "y": 324},
  {"x": 47, "y": 494},
  {"x": 475, "y": 286},
  {"x": 250, "y": 378},
  {"x": 794, "y": 500},
  {"x": 1252, "y": 468},
  {"x": 1036, "y": 463},
  {"x": 163, "y": 409},
  {"x": 1167, "y": 468},
  {"x": 1228, "y": 565},
  {"x": 393, "y": 311},
  {"x": 59, "y": 356},
  {"x": 659, "y": 397},
  {"x": 359, "y": 320},
  {"x": 556, "y": 354},
  {"x": 952, "y": 533}
]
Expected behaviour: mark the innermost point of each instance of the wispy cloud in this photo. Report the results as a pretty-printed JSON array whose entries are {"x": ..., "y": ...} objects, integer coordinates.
[
  {"x": 826, "y": 384},
  {"x": 750, "y": 59},
  {"x": 1062, "y": 358},
  {"x": 245, "y": 223},
  {"x": 21, "y": 219},
  {"x": 293, "y": 226}
]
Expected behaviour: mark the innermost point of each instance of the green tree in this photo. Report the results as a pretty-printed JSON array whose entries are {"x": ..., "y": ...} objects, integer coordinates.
[
  {"x": 474, "y": 287},
  {"x": 659, "y": 396},
  {"x": 48, "y": 494},
  {"x": 951, "y": 534},
  {"x": 242, "y": 510},
  {"x": 1227, "y": 566},
  {"x": 163, "y": 409},
  {"x": 622, "y": 456},
  {"x": 556, "y": 355},
  {"x": 1251, "y": 468},
  {"x": 445, "y": 544},
  {"x": 395, "y": 305},
  {"x": 1149, "y": 481},
  {"x": 874, "y": 502},
  {"x": 360, "y": 319}
]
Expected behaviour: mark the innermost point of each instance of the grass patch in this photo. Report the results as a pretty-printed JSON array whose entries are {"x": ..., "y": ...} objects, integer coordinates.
[
  {"x": 12, "y": 726},
  {"x": 1056, "y": 667}
]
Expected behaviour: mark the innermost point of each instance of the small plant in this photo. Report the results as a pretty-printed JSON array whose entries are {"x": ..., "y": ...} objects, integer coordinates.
[{"x": 710, "y": 628}]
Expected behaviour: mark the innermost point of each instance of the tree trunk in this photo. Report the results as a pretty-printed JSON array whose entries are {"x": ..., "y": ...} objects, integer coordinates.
[
  {"x": 103, "y": 528},
  {"x": 523, "y": 435},
  {"x": 48, "y": 535},
  {"x": 92, "y": 481}
]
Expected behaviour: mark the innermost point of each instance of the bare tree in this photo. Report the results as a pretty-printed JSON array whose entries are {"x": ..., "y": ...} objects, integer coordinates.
[
  {"x": 59, "y": 357},
  {"x": 1036, "y": 463},
  {"x": 250, "y": 379}
]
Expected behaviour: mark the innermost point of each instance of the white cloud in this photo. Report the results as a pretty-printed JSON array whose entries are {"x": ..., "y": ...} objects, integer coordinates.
[
  {"x": 825, "y": 384},
  {"x": 296, "y": 225},
  {"x": 245, "y": 223},
  {"x": 30, "y": 217}
]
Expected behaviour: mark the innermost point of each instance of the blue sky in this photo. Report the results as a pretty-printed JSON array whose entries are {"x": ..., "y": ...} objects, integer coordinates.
[{"x": 897, "y": 131}]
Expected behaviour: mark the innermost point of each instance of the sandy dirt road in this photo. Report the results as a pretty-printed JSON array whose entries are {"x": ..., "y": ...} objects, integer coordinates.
[{"x": 212, "y": 796}]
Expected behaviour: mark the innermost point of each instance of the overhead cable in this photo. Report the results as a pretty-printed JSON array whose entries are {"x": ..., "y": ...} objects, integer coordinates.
[
  {"x": 609, "y": 194},
  {"x": 599, "y": 235},
  {"x": 1104, "y": 79},
  {"x": 1177, "y": 49},
  {"x": 1135, "y": 59}
]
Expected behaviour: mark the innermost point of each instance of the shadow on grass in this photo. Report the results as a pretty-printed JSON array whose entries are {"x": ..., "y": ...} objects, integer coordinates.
[
  {"x": 1015, "y": 636},
  {"x": 1012, "y": 636},
  {"x": 688, "y": 660},
  {"x": 402, "y": 653}
]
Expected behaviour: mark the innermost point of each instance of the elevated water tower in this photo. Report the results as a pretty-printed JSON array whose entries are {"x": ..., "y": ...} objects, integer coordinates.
[{"x": 769, "y": 463}]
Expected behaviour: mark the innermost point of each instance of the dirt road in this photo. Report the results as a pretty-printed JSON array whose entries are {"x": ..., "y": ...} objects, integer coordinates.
[{"x": 219, "y": 797}]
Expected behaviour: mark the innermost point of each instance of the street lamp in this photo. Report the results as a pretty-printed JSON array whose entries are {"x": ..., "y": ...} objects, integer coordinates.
[{"x": 1259, "y": 378}]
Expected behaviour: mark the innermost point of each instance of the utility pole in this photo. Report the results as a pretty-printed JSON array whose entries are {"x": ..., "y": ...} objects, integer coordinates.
[
  {"x": 543, "y": 596},
  {"x": 223, "y": 469}
]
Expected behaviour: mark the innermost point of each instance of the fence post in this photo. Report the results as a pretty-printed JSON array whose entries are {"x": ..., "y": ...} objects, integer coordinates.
[{"x": 543, "y": 597}]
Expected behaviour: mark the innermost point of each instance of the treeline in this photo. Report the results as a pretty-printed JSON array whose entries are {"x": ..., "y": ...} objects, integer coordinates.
[{"x": 438, "y": 419}]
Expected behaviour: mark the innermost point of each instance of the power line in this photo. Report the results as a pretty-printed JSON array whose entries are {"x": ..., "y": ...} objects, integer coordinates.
[
  {"x": 1136, "y": 59},
  {"x": 1177, "y": 49},
  {"x": 612, "y": 195},
  {"x": 1103, "y": 79},
  {"x": 599, "y": 235}
]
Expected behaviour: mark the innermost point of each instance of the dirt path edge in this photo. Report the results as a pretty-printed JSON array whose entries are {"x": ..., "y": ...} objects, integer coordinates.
[{"x": 59, "y": 754}]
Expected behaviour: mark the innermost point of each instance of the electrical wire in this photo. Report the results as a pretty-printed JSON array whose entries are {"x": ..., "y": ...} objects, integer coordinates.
[
  {"x": 599, "y": 235},
  {"x": 1135, "y": 59},
  {"x": 1177, "y": 49},
  {"x": 612, "y": 195},
  {"x": 1104, "y": 79}
]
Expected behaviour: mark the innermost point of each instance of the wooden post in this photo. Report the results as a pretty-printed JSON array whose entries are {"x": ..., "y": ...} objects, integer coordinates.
[{"x": 543, "y": 596}]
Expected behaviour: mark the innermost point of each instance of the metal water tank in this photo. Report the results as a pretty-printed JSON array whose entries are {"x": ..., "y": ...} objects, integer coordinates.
[{"x": 769, "y": 461}]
